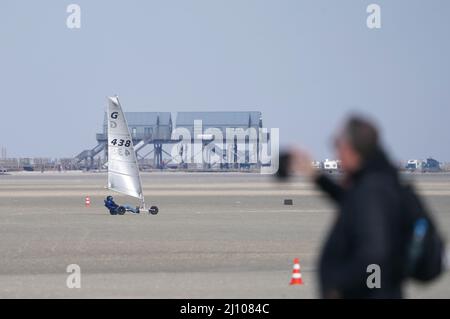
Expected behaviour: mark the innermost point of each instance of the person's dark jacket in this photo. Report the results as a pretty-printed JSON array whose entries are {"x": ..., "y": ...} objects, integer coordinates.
[
  {"x": 369, "y": 229},
  {"x": 111, "y": 205}
]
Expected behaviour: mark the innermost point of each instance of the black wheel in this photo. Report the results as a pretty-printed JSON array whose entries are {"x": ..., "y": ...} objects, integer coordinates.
[
  {"x": 121, "y": 210},
  {"x": 153, "y": 210},
  {"x": 113, "y": 212}
]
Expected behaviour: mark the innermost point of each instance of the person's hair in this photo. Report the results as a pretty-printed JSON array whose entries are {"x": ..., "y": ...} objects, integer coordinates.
[{"x": 362, "y": 135}]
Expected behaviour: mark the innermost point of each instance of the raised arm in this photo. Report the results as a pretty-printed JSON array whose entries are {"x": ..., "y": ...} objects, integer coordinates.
[{"x": 330, "y": 187}]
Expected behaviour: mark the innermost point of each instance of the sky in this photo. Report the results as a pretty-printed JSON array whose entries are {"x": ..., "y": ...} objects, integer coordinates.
[{"x": 304, "y": 64}]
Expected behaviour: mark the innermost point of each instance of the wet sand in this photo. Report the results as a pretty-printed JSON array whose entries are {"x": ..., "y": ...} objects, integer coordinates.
[{"x": 216, "y": 236}]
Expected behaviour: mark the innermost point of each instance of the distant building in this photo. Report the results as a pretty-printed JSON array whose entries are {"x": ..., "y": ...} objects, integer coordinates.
[
  {"x": 219, "y": 120},
  {"x": 144, "y": 126},
  {"x": 243, "y": 127},
  {"x": 156, "y": 129}
]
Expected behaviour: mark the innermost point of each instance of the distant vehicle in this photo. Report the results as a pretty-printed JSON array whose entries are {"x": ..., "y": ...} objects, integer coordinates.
[
  {"x": 172, "y": 166},
  {"x": 317, "y": 164},
  {"x": 431, "y": 165},
  {"x": 3, "y": 171},
  {"x": 28, "y": 168},
  {"x": 413, "y": 165},
  {"x": 331, "y": 165}
]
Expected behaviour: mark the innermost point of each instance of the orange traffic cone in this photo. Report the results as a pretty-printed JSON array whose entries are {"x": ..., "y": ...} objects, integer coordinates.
[
  {"x": 87, "y": 201},
  {"x": 296, "y": 274}
]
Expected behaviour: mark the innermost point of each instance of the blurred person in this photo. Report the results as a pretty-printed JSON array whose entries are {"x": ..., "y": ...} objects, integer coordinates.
[{"x": 373, "y": 225}]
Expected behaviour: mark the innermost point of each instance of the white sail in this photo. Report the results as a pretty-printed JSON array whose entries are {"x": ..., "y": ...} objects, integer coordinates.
[{"x": 123, "y": 170}]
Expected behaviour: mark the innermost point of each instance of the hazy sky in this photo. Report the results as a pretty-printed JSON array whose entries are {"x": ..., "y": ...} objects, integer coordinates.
[{"x": 304, "y": 64}]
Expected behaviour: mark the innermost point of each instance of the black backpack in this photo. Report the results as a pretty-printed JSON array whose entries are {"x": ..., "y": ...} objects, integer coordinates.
[{"x": 426, "y": 248}]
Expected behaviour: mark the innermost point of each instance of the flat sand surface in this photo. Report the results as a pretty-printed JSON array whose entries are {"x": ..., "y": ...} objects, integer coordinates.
[{"x": 216, "y": 236}]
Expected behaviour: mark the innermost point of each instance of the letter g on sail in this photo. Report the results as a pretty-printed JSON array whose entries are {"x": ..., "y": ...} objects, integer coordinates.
[{"x": 114, "y": 115}]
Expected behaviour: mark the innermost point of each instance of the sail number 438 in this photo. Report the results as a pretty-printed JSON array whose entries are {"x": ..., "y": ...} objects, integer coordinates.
[{"x": 120, "y": 142}]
